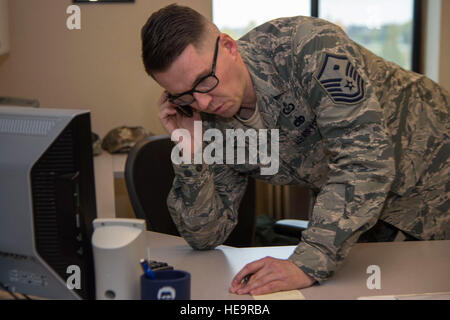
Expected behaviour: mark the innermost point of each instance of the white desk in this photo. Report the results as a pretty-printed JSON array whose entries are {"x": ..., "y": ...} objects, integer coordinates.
[{"x": 406, "y": 268}]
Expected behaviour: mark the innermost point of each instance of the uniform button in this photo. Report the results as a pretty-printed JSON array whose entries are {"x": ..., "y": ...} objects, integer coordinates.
[
  {"x": 199, "y": 167},
  {"x": 299, "y": 121}
]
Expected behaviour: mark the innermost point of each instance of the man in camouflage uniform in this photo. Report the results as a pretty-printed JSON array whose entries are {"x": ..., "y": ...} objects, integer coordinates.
[{"x": 371, "y": 138}]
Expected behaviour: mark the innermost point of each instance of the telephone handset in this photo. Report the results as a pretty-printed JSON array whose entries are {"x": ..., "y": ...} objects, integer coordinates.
[{"x": 185, "y": 111}]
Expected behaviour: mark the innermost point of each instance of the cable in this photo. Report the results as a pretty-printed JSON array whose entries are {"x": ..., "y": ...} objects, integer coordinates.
[
  {"x": 26, "y": 296},
  {"x": 10, "y": 292}
]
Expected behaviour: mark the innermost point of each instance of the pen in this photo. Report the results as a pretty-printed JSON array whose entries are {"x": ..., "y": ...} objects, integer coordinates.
[
  {"x": 147, "y": 270},
  {"x": 247, "y": 278}
]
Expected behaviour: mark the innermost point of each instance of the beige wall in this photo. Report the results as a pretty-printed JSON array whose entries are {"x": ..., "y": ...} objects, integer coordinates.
[
  {"x": 444, "y": 63},
  {"x": 97, "y": 68}
]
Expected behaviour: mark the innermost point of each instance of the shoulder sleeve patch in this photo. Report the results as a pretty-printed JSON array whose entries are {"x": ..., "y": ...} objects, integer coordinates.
[{"x": 339, "y": 78}]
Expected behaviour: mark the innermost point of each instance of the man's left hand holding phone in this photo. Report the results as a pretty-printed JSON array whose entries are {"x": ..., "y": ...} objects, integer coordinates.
[{"x": 174, "y": 117}]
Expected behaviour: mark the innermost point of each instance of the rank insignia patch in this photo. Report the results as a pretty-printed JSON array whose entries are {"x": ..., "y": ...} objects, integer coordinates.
[{"x": 340, "y": 79}]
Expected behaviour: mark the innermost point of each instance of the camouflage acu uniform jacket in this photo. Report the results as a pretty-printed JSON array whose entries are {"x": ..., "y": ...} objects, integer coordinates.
[{"x": 370, "y": 137}]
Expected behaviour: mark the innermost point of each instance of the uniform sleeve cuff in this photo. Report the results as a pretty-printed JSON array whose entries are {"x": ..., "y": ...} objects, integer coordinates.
[
  {"x": 190, "y": 172},
  {"x": 313, "y": 262}
]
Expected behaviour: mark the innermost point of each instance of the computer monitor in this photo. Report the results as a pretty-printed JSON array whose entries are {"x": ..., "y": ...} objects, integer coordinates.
[{"x": 47, "y": 202}]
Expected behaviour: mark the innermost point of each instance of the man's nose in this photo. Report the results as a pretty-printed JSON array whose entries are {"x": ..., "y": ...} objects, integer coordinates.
[{"x": 203, "y": 100}]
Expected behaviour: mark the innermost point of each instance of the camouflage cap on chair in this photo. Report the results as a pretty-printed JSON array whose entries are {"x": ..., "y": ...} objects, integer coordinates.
[
  {"x": 96, "y": 144},
  {"x": 122, "y": 139}
]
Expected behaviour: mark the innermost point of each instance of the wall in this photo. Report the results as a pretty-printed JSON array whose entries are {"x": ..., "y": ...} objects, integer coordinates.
[
  {"x": 436, "y": 41},
  {"x": 4, "y": 35},
  {"x": 431, "y": 38},
  {"x": 98, "y": 67}
]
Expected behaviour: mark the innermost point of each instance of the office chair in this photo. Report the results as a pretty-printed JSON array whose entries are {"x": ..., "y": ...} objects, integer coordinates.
[
  {"x": 149, "y": 175},
  {"x": 302, "y": 203},
  {"x": 291, "y": 227}
]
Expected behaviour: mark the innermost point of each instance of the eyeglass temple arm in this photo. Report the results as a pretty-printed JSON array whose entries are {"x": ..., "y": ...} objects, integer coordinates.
[{"x": 216, "y": 51}]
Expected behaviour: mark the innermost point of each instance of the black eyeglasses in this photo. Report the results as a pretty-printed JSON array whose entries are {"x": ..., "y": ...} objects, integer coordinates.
[{"x": 203, "y": 85}]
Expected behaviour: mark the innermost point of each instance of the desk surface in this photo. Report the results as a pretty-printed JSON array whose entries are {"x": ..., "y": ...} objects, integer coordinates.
[
  {"x": 406, "y": 268},
  {"x": 416, "y": 267}
]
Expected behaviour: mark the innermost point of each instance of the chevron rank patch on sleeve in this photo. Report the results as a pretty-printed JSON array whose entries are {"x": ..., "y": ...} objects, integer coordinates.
[{"x": 340, "y": 79}]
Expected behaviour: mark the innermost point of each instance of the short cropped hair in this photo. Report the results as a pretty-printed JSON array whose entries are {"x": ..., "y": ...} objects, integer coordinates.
[{"x": 167, "y": 33}]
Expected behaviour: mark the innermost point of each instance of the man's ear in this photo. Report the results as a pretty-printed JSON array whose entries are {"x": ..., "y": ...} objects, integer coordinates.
[{"x": 229, "y": 44}]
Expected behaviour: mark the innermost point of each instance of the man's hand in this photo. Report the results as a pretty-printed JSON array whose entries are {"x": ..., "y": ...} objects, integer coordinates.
[
  {"x": 171, "y": 119},
  {"x": 270, "y": 275}
]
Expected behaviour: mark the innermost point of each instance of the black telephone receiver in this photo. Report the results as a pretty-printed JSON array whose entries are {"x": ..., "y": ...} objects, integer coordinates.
[{"x": 185, "y": 111}]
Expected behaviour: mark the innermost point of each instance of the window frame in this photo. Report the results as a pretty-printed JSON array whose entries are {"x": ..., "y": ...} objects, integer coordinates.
[{"x": 416, "y": 36}]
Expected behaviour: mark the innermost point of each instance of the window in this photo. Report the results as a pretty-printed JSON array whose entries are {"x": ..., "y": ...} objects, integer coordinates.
[
  {"x": 237, "y": 17},
  {"x": 386, "y": 27}
]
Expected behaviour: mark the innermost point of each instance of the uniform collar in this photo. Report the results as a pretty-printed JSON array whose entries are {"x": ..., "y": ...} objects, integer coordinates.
[{"x": 268, "y": 86}]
